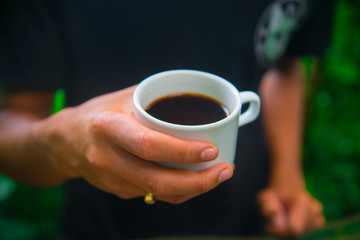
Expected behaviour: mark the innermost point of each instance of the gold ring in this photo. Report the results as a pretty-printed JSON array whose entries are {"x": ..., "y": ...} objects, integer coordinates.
[{"x": 149, "y": 198}]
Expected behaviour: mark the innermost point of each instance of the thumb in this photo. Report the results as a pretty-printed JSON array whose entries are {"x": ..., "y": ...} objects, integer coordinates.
[{"x": 273, "y": 210}]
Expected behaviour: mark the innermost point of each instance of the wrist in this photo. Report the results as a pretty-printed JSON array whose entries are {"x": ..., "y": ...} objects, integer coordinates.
[
  {"x": 49, "y": 143},
  {"x": 287, "y": 176}
]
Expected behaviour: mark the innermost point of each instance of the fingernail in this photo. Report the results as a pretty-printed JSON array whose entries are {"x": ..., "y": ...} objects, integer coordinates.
[
  {"x": 208, "y": 154},
  {"x": 224, "y": 175}
]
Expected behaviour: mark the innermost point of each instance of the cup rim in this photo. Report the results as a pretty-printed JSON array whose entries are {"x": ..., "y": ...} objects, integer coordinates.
[{"x": 174, "y": 126}]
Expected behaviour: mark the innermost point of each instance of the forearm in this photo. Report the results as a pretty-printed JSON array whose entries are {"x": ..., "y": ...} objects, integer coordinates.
[
  {"x": 22, "y": 156},
  {"x": 282, "y": 97}
]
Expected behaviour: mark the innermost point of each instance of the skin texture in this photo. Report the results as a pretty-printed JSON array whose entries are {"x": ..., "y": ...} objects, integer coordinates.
[
  {"x": 286, "y": 204},
  {"x": 101, "y": 142}
]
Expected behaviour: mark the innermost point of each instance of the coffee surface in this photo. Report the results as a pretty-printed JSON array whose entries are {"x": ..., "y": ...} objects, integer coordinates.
[{"x": 187, "y": 109}]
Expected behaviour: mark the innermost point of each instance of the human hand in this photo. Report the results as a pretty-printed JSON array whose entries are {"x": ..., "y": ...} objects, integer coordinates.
[
  {"x": 102, "y": 142},
  {"x": 290, "y": 213}
]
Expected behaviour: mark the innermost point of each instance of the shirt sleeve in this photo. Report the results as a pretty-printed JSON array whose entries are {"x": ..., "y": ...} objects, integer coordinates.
[{"x": 313, "y": 35}]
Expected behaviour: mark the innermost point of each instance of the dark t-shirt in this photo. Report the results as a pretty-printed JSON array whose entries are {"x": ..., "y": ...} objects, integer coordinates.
[{"x": 94, "y": 47}]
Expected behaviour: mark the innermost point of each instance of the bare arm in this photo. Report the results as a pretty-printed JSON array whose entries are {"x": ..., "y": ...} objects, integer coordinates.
[
  {"x": 101, "y": 142},
  {"x": 286, "y": 203},
  {"x": 283, "y": 105},
  {"x": 20, "y": 156}
]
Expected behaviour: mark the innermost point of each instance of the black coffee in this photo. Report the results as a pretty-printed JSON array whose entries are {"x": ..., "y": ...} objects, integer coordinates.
[{"x": 187, "y": 109}]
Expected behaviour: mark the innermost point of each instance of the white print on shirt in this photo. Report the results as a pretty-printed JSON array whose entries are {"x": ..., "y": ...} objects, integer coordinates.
[{"x": 272, "y": 33}]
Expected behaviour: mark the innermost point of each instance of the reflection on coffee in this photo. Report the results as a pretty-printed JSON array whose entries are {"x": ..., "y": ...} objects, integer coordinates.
[{"x": 187, "y": 109}]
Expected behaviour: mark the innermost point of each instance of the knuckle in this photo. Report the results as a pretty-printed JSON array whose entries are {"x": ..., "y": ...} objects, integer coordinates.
[
  {"x": 98, "y": 123},
  {"x": 96, "y": 160},
  {"x": 142, "y": 144},
  {"x": 303, "y": 197},
  {"x": 188, "y": 155},
  {"x": 203, "y": 185},
  {"x": 155, "y": 186}
]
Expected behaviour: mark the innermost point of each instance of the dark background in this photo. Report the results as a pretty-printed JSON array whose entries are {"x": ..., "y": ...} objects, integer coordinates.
[{"x": 331, "y": 147}]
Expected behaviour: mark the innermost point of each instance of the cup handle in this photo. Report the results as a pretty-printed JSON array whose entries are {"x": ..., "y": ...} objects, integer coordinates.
[{"x": 254, "y": 108}]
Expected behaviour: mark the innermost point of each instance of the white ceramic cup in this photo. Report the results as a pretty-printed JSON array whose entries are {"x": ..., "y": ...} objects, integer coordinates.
[{"x": 222, "y": 133}]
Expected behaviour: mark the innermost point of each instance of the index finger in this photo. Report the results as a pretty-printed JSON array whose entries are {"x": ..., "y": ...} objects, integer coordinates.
[
  {"x": 168, "y": 182},
  {"x": 125, "y": 131}
]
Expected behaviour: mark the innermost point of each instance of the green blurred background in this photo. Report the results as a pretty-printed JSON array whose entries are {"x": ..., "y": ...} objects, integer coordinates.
[{"x": 331, "y": 147}]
